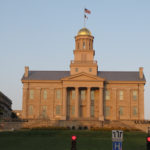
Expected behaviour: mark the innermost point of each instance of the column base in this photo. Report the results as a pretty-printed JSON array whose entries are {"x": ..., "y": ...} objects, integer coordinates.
[{"x": 101, "y": 118}]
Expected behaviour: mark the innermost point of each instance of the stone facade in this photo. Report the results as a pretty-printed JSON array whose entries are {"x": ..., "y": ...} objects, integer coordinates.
[{"x": 83, "y": 93}]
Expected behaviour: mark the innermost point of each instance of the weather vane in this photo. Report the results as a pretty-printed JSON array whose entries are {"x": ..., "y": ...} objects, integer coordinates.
[{"x": 86, "y": 11}]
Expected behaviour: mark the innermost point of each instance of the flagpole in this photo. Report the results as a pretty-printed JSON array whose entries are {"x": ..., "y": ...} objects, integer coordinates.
[
  {"x": 84, "y": 20},
  {"x": 86, "y": 11},
  {"x": 84, "y": 17}
]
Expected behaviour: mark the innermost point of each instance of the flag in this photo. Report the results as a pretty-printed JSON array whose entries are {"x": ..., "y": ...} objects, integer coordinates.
[
  {"x": 87, "y": 11},
  {"x": 85, "y": 16}
]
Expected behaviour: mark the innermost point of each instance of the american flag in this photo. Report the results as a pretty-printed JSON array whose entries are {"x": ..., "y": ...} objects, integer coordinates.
[{"x": 87, "y": 11}]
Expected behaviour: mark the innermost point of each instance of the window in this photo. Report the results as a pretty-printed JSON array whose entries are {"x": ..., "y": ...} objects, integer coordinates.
[
  {"x": 121, "y": 95},
  {"x": 73, "y": 110},
  {"x": 135, "y": 111},
  {"x": 135, "y": 94},
  {"x": 58, "y": 110},
  {"x": 78, "y": 46},
  {"x": 30, "y": 110},
  {"x": 82, "y": 94},
  {"x": 76, "y": 69},
  {"x": 83, "y": 45},
  {"x": 31, "y": 94},
  {"x": 121, "y": 111},
  {"x": 92, "y": 111},
  {"x": 90, "y": 69},
  {"x": 107, "y": 111},
  {"x": 73, "y": 94},
  {"x": 107, "y": 95},
  {"x": 44, "y": 111},
  {"x": 45, "y": 94},
  {"x": 58, "y": 94},
  {"x": 92, "y": 95}
]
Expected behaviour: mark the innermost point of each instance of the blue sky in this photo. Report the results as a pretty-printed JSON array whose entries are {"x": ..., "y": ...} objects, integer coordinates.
[{"x": 40, "y": 34}]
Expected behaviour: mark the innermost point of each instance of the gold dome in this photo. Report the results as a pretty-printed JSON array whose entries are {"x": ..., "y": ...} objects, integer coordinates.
[{"x": 84, "y": 31}]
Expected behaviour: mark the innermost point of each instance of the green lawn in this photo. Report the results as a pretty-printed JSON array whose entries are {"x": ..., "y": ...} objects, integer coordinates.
[{"x": 61, "y": 140}]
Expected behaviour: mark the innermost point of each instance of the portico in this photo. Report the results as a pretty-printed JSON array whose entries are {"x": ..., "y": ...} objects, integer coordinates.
[{"x": 83, "y": 97}]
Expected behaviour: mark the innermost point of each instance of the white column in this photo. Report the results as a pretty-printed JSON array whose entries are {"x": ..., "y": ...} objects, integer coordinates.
[
  {"x": 52, "y": 98},
  {"x": 88, "y": 102},
  {"x": 101, "y": 105},
  {"x": 77, "y": 102},
  {"x": 64, "y": 113}
]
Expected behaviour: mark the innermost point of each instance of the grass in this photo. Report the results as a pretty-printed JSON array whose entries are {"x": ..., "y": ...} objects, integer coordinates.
[{"x": 61, "y": 140}]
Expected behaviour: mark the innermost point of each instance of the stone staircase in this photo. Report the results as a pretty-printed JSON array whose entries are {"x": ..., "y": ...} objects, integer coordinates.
[{"x": 118, "y": 125}]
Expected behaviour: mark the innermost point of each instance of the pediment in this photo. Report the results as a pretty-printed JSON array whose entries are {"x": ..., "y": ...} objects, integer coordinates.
[{"x": 83, "y": 77}]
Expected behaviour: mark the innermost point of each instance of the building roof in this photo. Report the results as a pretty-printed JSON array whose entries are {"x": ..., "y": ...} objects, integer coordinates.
[{"x": 107, "y": 75}]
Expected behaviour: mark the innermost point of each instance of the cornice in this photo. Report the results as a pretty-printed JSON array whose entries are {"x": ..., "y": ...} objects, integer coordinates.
[
  {"x": 41, "y": 81},
  {"x": 126, "y": 82}
]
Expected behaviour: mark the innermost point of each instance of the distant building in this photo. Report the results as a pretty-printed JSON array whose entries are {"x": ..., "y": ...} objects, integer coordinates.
[
  {"x": 83, "y": 92},
  {"x": 18, "y": 113},
  {"x": 5, "y": 106}
]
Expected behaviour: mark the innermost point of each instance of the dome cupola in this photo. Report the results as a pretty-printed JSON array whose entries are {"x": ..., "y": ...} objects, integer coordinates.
[{"x": 84, "y": 31}]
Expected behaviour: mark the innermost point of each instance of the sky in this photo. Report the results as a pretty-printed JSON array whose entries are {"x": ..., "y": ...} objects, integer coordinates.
[{"x": 40, "y": 34}]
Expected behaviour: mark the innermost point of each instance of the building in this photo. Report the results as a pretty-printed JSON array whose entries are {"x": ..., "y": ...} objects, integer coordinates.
[
  {"x": 83, "y": 92},
  {"x": 17, "y": 113},
  {"x": 5, "y": 106}
]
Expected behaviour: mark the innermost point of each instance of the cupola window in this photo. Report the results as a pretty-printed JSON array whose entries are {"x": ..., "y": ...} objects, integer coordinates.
[
  {"x": 83, "y": 45},
  {"x": 78, "y": 46}
]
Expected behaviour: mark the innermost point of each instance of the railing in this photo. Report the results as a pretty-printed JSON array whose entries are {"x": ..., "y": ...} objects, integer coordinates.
[
  {"x": 142, "y": 121},
  {"x": 83, "y": 61}
]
